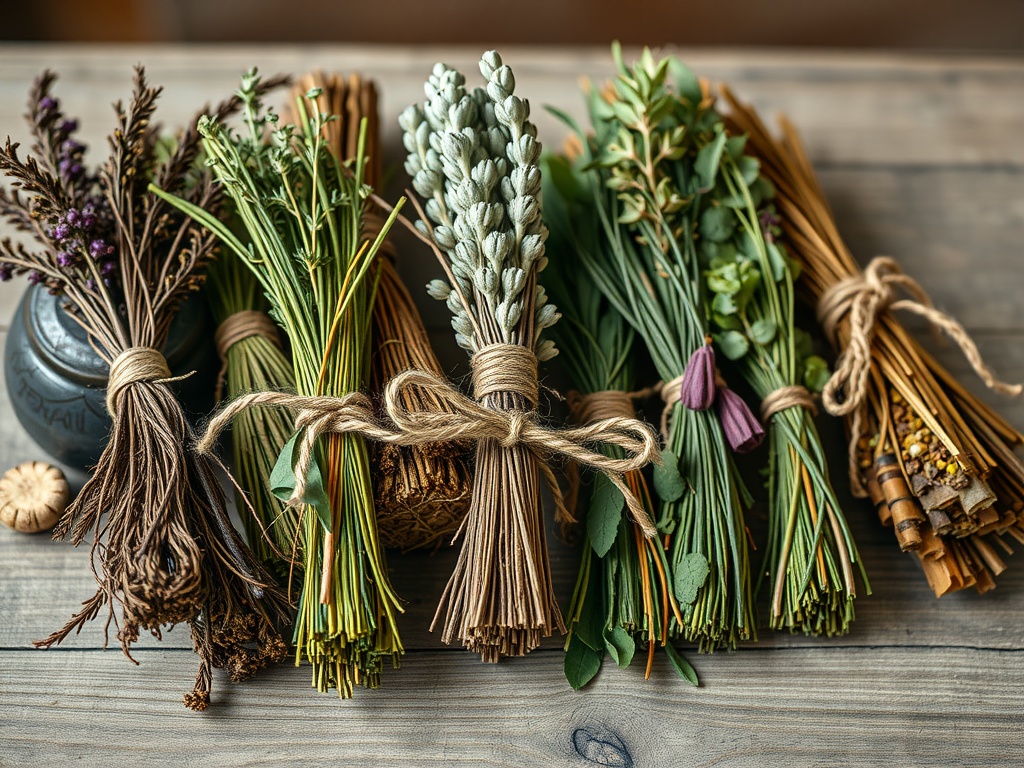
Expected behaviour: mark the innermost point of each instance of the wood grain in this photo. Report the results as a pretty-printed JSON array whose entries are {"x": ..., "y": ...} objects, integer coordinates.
[{"x": 921, "y": 159}]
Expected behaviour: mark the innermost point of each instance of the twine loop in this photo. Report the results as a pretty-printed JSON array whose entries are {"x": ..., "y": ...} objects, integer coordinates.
[
  {"x": 861, "y": 299},
  {"x": 671, "y": 393},
  {"x": 461, "y": 418},
  {"x": 791, "y": 396},
  {"x": 132, "y": 365},
  {"x": 604, "y": 404},
  {"x": 508, "y": 368}
]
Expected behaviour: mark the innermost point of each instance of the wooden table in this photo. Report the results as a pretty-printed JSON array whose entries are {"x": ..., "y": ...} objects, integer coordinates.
[{"x": 923, "y": 160}]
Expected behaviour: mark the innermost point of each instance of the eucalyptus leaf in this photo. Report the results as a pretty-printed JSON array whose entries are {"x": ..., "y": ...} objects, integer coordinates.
[
  {"x": 604, "y": 514},
  {"x": 682, "y": 666},
  {"x": 717, "y": 223},
  {"x": 668, "y": 482},
  {"x": 777, "y": 260},
  {"x": 708, "y": 159},
  {"x": 620, "y": 646},
  {"x": 282, "y": 481},
  {"x": 763, "y": 331},
  {"x": 581, "y": 663},
  {"x": 690, "y": 573},
  {"x": 733, "y": 344}
]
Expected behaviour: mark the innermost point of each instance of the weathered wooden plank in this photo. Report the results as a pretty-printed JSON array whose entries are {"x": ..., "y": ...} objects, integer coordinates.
[{"x": 852, "y": 707}]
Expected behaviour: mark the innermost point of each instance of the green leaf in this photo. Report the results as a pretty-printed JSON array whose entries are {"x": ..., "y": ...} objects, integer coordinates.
[
  {"x": 690, "y": 573},
  {"x": 604, "y": 514},
  {"x": 282, "y": 481},
  {"x": 723, "y": 304},
  {"x": 763, "y": 331},
  {"x": 708, "y": 159},
  {"x": 682, "y": 665},
  {"x": 749, "y": 169},
  {"x": 727, "y": 322},
  {"x": 565, "y": 118},
  {"x": 816, "y": 373},
  {"x": 732, "y": 344},
  {"x": 686, "y": 82},
  {"x": 620, "y": 646},
  {"x": 778, "y": 261},
  {"x": 581, "y": 663},
  {"x": 668, "y": 482},
  {"x": 724, "y": 279},
  {"x": 717, "y": 223}
]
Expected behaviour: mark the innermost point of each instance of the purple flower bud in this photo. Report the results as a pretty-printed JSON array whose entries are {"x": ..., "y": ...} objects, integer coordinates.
[
  {"x": 90, "y": 284},
  {"x": 742, "y": 429},
  {"x": 66, "y": 259},
  {"x": 108, "y": 268},
  {"x": 72, "y": 218},
  {"x": 5, "y": 272},
  {"x": 98, "y": 248},
  {"x": 71, "y": 146},
  {"x": 88, "y": 220},
  {"x": 47, "y": 103},
  {"x": 35, "y": 277},
  {"x": 61, "y": 232},
  {"x": 697, "y": 392},
  {"x": 67, "y": 126}
]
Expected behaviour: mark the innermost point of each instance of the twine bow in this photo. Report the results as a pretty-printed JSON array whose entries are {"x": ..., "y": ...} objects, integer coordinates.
[
  {"x": 462, "y": 419},
  {"x": 863, "y": 298}
]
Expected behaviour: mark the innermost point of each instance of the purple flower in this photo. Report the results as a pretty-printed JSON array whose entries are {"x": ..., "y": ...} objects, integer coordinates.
[
  {"x": 66, "y": 259},
  {"x": 697, "y": 392},
  {"x": 69, "y": 125},
  {"x": 69, "y": 169},
  {"x": 108, "y": 268},
  {"x": 35, "y": 277},
  {"x": 742, "y": 429},
  {"x": 47, "y": 103},
  {"x": 5, "y": 272},
  {"x": 88, "y": 219},
  {"x": 61, "y": 233},
  {"x": 98, "y": 249},
  {"x": 72, "y": 218}
]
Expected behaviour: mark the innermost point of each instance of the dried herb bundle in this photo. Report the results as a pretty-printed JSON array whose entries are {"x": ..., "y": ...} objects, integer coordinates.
[
  {"x": 421, "y": 492},
  {"x": 302, "y": 212},
  {"x": 164, "y": 549},
  {"x": 253, "y": 360},
  {"x": 623, "y": 596},
  {"x": 937, "y": 462},
  {"x": 650, "y": 168},
  {"x": 474, "y": 159}
]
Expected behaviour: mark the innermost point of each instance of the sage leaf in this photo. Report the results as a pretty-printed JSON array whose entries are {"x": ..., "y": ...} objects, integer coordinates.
[
  {"x": 682, "y": 666},
  {"x": 718, "y": 223},
  {"x": 668, "y": 482},
  {"x": 691, "y": 571},
  {"x": 282, "y": 481},
  {"x": 763, "y": 331},
  {"x": 733, "y": 344},
  {"x": 581, "y": 663},
  {"x": 620, "y": 646},
  {"x": 604, "y": 515},
  {"x": 708, "y": 159}
]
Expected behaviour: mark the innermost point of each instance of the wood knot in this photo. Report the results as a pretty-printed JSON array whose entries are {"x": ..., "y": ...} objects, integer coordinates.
[{"x": 601, "y": 746}]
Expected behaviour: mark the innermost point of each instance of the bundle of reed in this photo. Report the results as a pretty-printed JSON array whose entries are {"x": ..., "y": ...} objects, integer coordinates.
[
  {"x": 421, "y": 492},
  {"x": 252, "y": 360},
  {"x": 937, "y": 462},
  {"x": 302, "y": 214},
  {"x": 162, "y": 544}
]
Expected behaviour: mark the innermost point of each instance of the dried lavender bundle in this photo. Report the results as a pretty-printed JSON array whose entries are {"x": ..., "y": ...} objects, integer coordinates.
[
  {"x": 421, "y": 492},
  {"x": 474, "y": 159},
  {"x": 163, "y": 547},
  {"x": 937, "y": 462}
]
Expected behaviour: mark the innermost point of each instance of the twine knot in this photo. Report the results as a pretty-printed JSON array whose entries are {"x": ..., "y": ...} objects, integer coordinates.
[
  {"x": 860, "y": 299},
  {"x": 791, "y": 396},
  {"x": 132, "y": 365},
  {"x": 237, "y": 327}
]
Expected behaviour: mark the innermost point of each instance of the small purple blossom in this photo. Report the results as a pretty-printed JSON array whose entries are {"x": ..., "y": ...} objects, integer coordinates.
[
  {"x": 35, "y": 277},
  {"x": 98, "y": 249},
  {"x": 47, "y": 103},
  {"x": 742, "y": 429},
  {"x": 68, "y": 126},
  {"x": 108, "y": 268},
  {"x": 66, "y": 259},
  {"x": 5, "y": 273},
  {"x": 697, "y": 391},
  {"x": 61, "y": 232},
  {"x": 72, "y": 218}
]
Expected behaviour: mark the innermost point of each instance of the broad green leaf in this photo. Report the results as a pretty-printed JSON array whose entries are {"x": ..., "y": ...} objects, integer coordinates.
[
  {"x": 733, "y": 344},
  {"x": 668, "y": 482},
  {"x": 282, "y": 481},
  {"x": 589, "y": 628},
  {"x": 763, "y": 331},
  {"x": 717, "y": 223},
  {"x": 749, "y": 168},
  {"x": 581, "y": 663},
  {"x": 727, "y": 322},
  {"x": 816, "y": 373},
  {"x": 620, "y": 646},
  {"x": 723, "y": 304},
  {"x": 691, "y": 571},
  {"x": 604, "y": 514},
  {"x": 686, "y": 82},
  {"x": 708, "y": 159},
  {"x": 682, "y": 665},
  {"x": 778, "y": 261}
]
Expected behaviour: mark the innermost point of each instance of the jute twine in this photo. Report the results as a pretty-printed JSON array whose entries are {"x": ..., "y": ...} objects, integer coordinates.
[
  {"x": 792, "y": 396},
  {"x": 860, "y": 300},
  {"x": 671, "y": 393},
  {"x": 497, "y": 368},
  {"x": 237, "y": 327},
  {"x": 133, "y": 365}
]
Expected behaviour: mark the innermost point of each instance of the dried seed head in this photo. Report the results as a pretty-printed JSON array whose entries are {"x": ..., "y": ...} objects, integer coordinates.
[{"x": 33, "y": 496}]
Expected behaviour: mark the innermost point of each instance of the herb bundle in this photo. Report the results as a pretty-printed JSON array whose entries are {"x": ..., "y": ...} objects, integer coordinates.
[
  {"x": 651, "y": 167},
  {"x": 936, "y": 461},
  {"x": 421, "y": 492},
  {"x": 163, "y": 546},
  {"x": 302, "y": 211},
  {"x": 474, "y": 159},
  {"x": 623, "y": 596},
  {"x": 253, "y": 360}
]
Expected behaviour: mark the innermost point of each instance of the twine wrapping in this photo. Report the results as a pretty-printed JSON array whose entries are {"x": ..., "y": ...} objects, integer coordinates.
[
  {"x": 133, "y": 365},
  {"x": 671, "y": 393},
  {"x": 237, "y": 327},
  {"x": 863, "y": 298},
  {"x": 792, "y": 396},
  {"x": 463, "y": 418}
]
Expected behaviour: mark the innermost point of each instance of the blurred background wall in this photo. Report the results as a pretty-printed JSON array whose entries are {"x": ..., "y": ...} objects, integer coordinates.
[{"x": 966, "y": 25}]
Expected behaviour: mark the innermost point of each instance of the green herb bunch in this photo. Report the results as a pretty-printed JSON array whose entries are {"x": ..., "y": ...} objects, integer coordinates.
[
  {"x": 749, "y": 279},
  {"x": 623, "y": 596},
  {"x": 302, "y": 213},
  {"x": 255, "y": 363},
  {"x": 651, "y": 167},
  {"x": 474, "y": 158}
]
